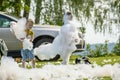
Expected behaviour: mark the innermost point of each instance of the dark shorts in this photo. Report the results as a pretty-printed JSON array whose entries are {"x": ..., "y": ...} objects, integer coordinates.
[{"x": 27, "y": 54}]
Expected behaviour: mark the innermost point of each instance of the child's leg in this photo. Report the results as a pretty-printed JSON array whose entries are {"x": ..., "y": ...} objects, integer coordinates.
[
  {"x": 33, "y": 63},
  {"x": 23, "y": 54},
  {"x": 23, "y": 64},
  {"x": 31, "y": 56}
]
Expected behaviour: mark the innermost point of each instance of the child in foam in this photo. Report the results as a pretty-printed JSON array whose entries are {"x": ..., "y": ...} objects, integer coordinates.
[
  {"x": 27, "y": 51},
  {"x": 26, "y": 36}
]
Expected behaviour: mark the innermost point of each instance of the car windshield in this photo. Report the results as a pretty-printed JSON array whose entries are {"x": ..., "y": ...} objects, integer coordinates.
[{"x": 5, "y": 19}]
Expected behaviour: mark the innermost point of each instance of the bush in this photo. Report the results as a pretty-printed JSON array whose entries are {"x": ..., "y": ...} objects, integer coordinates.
[
  {"x": 116, "y": 49},
  {"x": 100, "y": 50}
]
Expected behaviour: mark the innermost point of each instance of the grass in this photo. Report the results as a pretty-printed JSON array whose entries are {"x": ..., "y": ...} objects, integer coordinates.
[
  {"x": 106, "y": 60},
  {"x": 98, "y": 60}
]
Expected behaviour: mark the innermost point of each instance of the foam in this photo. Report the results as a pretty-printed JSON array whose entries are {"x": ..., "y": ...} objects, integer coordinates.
[{"x": 9, "y": 70}]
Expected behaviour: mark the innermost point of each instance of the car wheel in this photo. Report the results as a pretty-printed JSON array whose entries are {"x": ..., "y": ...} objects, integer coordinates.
[
  {"x": 45, "y": 41},
  {"x": 0, "y": 55}
]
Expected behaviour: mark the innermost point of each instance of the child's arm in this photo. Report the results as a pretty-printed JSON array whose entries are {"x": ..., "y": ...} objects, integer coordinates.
[{"x": 32, "y": 37}]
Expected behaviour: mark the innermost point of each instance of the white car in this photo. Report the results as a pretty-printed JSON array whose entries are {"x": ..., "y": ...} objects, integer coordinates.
[{"x": 43, "y": 34}]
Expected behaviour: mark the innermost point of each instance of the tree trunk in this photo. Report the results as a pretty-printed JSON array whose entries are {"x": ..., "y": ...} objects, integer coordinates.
[
  {"x": 38, "y": 10},
  {"x": 26, "y": 8}
]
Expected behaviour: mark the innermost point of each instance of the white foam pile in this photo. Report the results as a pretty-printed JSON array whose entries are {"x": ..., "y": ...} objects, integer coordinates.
[
  {"x": 64, "y": 44},
  {"x": 9, "y": 70},
  {"x": 18, "y": 28}
]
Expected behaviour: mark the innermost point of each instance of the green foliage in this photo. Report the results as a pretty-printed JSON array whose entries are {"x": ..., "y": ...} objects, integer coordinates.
[
  {"x": 88, "y": 49},
  {"x": 83, "y": 7},
  {"x": 100, "y": 50},
  {"x": 84, "y": 10},
  {"x": 17, "y": 8},
  {"x": 4, "y": 4},
  {"x": 116, "y": 49},
  {"x": 26, "y": 8},
  {"x": 83, "y": 30},
  {"x": 51, "y": 11},
  {"x": 14, "y": 7},
  {"x": 38, "y": 10},
  {"x": 105, "y": 48},
  {"x": 11, "y": 6}
]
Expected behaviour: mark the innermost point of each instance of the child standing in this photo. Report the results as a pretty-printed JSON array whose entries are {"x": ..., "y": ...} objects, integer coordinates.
[{"x": 26, "y": 53}]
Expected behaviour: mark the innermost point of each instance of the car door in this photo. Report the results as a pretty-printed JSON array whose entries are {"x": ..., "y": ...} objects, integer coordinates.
[{"x": 5, "y": 34}]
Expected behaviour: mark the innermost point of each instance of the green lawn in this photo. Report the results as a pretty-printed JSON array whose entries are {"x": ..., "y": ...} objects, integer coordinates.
[
  {"x": 106, "y": 60},
  {"x": 99, "y": 60}
]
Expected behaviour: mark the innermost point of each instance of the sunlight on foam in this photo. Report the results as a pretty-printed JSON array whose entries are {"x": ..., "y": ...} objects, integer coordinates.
[{"x": 9, "y": 70}]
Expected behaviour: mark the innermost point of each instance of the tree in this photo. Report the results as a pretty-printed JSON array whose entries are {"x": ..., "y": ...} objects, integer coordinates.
[
  {"x": 38, "y": 10},
  {"x": 26, "y": 8},
  {"x": 58, "y": 20},
  {"x": 88, "y": 50},
  {"x": 98, "y": 50},
  {"x": 17, "y": 7},
  {"x": 102, "y": 13},
  {"x": 116, "y": 48},
  {"x": 52, "y": 12},
  {"x": 11, "y": 6},
  {"x": 105, "y": 48},
  {"x": 4, "y": 4}
]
